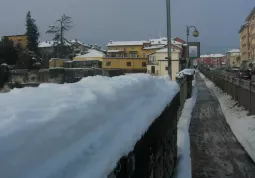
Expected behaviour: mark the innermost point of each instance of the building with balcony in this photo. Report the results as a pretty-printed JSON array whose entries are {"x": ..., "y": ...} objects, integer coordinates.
[
  {"x": 247, "y": 38},
  {"x": 129, "y": 56},
  {"x": 158, "y": 64},
  {"x": 132, "y": 56}
]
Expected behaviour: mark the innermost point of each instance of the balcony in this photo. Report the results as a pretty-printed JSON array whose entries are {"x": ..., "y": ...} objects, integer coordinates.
[{"x": 153, "y": 63}]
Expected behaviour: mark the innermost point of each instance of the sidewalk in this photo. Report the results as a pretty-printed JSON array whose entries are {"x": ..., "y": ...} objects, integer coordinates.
[{"x": 215, "y": 152}]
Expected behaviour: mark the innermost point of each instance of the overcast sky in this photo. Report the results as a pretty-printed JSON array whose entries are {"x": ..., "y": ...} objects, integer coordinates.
[{"x": 98, "y": 21}]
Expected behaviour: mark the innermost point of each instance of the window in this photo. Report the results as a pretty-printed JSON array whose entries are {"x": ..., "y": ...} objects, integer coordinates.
[
  {"x": 166, "y": 68},
  {"x": 108, "y": 63},
  {"x": 134, "y": 55},
  {"x": 128, "y": 63},
  {"x": 144, "y": 64}
]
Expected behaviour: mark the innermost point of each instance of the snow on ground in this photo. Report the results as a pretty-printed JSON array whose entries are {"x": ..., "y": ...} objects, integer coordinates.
[
  {"x": 77, "y": 130},
  {"x": 242, "y": 126},
  {"x": 183, "y": 167}
]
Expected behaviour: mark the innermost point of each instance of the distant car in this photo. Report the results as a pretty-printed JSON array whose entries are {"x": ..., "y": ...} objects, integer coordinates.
[{"x": 244, "y": 74}]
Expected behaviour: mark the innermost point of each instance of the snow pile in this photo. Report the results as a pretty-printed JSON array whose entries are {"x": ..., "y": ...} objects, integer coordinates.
[
  {"x": 183, "y": 168},
  {"x": 77, "y": 130},
  {"x": 242, "y": 126},
  {"x": 184, "y": 72}
]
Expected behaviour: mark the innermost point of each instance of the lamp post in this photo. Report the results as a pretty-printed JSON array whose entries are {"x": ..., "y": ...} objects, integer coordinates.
[
  {"x": 168, "y": 10},
  {"x": 195, "y": 34}
]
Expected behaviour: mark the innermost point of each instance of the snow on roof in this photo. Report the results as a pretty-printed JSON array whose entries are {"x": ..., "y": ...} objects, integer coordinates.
[
  {"x": 79, "y": 42},
  {"x": 92, "y": 53},
  {"x": 68, "y": 129},
  {"x": 154, "y": 47},
  {"x": 234, "y": 51},
  {"x": 163, "y": 40},
  {"x": 126, "y": 43},
  {"x": 212, "y": 55},
  {"x": 47, "y": 44}
]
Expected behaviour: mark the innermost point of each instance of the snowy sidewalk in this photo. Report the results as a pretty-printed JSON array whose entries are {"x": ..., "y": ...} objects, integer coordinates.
[{"x": 215, "y": 152}]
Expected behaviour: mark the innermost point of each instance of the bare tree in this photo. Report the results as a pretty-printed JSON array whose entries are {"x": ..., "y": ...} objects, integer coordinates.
[{"x": 61, "y": 26}]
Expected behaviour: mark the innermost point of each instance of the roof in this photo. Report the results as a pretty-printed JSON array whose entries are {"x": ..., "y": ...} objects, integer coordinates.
[
  {"x": 154, "y": 47},
  {"x": 127, "y": 43},
  {"x": 212, "y": 55},
  {"x": 92, "y": 53},
  {"x": 163, "y": 41},
  {"x": 79, "y": 42},
  {"x": 243, "y": 26},
  {"x": 165, "y": 50},
  {"x": 114, "y": 51},
  {"x": 234, "y": 51},
  {"x": 251, "y": 14},
  {"x": 47, "y": 44}
]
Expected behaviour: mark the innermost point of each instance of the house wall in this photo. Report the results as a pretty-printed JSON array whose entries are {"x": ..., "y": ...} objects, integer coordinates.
[
  {"x": 244, "y": 43},
  {"x": 22, "y": 39}
]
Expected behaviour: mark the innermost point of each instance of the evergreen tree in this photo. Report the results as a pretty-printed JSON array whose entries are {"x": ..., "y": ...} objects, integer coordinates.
[{"x": 32, "y": 33}]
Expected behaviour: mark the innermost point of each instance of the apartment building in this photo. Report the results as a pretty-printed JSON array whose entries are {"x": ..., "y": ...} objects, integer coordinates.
[{"x": 247, "y": 38}]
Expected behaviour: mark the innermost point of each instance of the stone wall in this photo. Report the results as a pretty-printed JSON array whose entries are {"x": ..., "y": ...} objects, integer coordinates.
[
  {"x": 154, "y": 155},
  {"x": 58, "y": 75}
]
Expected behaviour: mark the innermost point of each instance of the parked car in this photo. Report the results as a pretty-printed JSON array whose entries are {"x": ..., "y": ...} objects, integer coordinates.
[{"x": 244, "y": 74}]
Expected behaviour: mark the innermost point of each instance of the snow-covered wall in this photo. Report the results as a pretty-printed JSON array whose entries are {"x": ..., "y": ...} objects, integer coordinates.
[
  {"x": 154, "y": 155},
  {"x": 84, "y": 129}
]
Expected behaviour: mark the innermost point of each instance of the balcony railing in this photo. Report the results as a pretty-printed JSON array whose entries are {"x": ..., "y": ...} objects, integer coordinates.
[{"x": 153, "y": 63}]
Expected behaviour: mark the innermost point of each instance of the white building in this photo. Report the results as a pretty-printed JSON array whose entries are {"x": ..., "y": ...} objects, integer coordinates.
[{"x": 158, "y": 64}]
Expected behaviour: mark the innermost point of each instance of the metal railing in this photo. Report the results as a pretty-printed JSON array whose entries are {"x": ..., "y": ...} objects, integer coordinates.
[{"x": 243, "y": 91}]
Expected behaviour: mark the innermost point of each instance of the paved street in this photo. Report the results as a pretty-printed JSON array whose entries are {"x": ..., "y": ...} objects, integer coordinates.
[{"x": 215, "y": 152}]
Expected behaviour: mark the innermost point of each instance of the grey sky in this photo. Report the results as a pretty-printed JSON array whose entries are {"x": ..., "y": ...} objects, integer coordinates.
[{"x": 98, "y": 21}]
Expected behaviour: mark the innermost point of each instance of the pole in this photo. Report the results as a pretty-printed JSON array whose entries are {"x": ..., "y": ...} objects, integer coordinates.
[
  {"x": 169, "y": 41},
  {"x": 187, "y": 50}
]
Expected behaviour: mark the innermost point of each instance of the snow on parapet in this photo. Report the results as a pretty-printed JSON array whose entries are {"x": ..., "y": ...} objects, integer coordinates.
[
  {"x": 80, "y": 129},
  {"x": 184, "y": 72}
]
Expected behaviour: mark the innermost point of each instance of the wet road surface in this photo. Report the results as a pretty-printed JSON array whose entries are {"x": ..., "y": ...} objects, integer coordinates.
[{"x": 215, "y": 152}]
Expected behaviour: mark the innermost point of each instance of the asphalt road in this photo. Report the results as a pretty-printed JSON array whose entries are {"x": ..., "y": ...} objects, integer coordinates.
[{"x": 215, "y": 152}]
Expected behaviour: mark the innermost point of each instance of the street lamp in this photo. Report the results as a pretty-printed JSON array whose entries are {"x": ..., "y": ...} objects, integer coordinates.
[
  {"x": 195, "y": 34},
  {"x": 169, "y": 41}
]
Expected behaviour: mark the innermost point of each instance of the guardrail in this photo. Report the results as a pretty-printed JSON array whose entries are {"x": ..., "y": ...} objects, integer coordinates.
[{"x": 243, "y": 91}]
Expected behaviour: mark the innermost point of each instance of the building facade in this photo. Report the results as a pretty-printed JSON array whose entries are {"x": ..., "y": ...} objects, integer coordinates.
[
  {"x": 244, "y": 42},
  {"x": 129, "y": 56},
  {"x": 212, "y": 60},
  {"x": 19, "y": 40},
  {"x": 233, "y": 58},
  {"x": 158, "y": 64},
  {"x": 247, "y": 38},
  {"x": 132, "y": 56}
]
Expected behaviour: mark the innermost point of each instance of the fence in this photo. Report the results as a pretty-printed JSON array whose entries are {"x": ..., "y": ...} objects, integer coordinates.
[
  {"x": 154, "y": 155},
  {"x": 243, "y": 91}
]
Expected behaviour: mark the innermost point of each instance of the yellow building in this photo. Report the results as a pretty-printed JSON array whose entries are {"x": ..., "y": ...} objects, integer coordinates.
[
  {"x": 57, "y": 62},
  {"x": 158, "y": 64},
  {"x": 247, "y": 38},
  {"x": 244, "y": 42},
  {"x": 19, "y": 39},
  {"x": 131, "y": 56}
]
